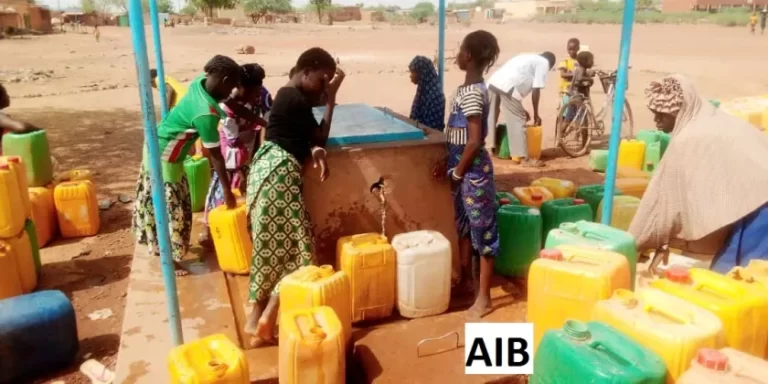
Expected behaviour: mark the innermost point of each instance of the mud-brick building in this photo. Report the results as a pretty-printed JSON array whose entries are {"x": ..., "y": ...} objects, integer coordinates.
[
  {"x": 709, "y": 5},
  {"x": 22, "y": 14}
]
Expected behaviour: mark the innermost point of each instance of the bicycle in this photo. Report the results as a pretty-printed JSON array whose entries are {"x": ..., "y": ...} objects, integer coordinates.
[{"x": 584, "y": 124}]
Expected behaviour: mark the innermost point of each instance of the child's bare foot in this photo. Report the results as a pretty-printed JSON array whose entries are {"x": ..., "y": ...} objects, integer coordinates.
[
  {"x": 264, "y": 334},
  {"x": 180, "y": 271},
  {"x": 480, "y": 308}
]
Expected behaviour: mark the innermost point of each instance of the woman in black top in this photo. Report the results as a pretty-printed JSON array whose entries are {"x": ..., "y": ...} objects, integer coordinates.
[{"x": 279, "y": 221}]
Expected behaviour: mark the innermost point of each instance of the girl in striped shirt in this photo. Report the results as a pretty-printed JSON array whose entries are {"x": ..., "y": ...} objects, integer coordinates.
[{"x": 470, "y": 169}]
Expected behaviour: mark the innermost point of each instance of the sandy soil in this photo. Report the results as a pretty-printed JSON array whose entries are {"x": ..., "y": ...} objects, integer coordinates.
[{"x": 84, "y": 93}]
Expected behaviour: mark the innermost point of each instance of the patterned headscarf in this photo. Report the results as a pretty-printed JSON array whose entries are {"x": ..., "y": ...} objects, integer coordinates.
[
  {"x": 429, "y": 103},
  {"x": 665, "y": 96}
]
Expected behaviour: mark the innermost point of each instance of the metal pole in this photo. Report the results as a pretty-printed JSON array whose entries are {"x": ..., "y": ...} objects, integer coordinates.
[
  {"x": 618, "y": 109},
  {"x": 158, "y": 57},
  {"x": 441, "y": 42},
  {"x": 138, "y": 38}
]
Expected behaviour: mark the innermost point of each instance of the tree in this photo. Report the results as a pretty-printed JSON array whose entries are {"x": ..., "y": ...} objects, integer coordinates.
[
  {"x": 189, "y": 10},
  {"x": 163, "y": 6},
  {"x": 321, "y": 5},
  {"x": 207, "y": 6},
  {"x": 258, "y": 8},
  {"x": 422, "y": 11},
  {"x": 88, "y": 6}
]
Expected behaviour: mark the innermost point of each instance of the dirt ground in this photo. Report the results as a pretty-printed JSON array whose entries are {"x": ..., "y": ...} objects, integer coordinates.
[{"x": 84, "y": 93}]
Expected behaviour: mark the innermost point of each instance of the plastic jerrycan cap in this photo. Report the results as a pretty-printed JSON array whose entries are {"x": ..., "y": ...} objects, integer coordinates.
[
  {"x": 578, "y": 201},
  {"x": 626, "y": 297},
  {"x": 712, "y": 359},
  {"x": 576, "y": 330},
  {"x": 551, "y": 254},
  {"x": 570, "y": 228},
  {"x": 14, "y": 159},
  {"x": 677, "y": 274},
  {"x": 218, "y": 367},
  {"x": 316, "y": 334},
  {"x": 5, "y": 166},
  {"x": 504, "y": 201},
  {"x": 536, "y": 197}
]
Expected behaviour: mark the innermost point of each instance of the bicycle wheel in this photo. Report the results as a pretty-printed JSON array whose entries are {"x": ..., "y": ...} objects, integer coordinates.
[
  {"x": 629, "y": 120},
  {"x": 574, "y": 135}
]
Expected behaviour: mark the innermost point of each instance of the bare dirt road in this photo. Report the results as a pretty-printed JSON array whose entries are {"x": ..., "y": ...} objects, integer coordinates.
[{"x": 84, "y": 93}]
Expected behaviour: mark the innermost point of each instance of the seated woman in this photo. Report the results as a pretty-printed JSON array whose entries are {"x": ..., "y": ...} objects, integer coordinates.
[
  {"x": 711, "y": 186},
  {"x": 428, "y": 106}
]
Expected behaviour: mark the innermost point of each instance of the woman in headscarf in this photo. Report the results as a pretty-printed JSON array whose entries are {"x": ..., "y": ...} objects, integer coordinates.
[
  {"x": 429, "y": 103},
  {"x": 711, "y": 187}
]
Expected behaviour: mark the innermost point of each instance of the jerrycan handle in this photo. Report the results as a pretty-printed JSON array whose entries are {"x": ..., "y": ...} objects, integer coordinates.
[
  {"x": 605, "y": 348},
  {"x": 731, "y": 291},
  {"x": 670, "y": 314},
  {"x": 216, "y": 366},
  {"x": 316, "y": 332},
  {"x": 367, "y": 238}
]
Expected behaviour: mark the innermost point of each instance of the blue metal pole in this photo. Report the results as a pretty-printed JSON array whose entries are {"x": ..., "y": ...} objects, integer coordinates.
[
  {"x": 153, "y": 164},
  {"x": 158, "y": 57},
  {"x": 441, "y": 42},
  {"x": 618, "y": 109}
]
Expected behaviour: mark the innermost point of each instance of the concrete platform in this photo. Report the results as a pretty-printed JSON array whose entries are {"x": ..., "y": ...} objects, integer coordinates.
[{"x": 212, "y": 302}]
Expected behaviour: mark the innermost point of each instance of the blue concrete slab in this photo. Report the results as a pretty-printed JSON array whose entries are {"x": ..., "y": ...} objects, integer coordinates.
[{"x": 363, "y": 124}]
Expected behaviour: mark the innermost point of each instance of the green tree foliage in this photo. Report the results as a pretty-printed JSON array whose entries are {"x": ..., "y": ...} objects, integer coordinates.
[
  {"x": 189, "y": 10},
  {"x": 422, "y": 11},
  {"x": 207, "y": 6},
  {"x": 320, "y": 6},
  {"x": 163, "y": 6},
  {"x": 258, "y": 8},
  {"x": 88, "y": 5}
]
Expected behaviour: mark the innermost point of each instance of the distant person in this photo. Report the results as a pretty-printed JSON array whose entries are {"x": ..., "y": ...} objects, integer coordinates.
[
  {"x": 763, "y": 17},
  {"x": 428, "y": 106},
  {"x": 295, "y": 140},
  {"x": 470, "y": 169},
  {"x": 174, "y": 90},
  {"x": 710, "y": 189},
  {"x": 752, "y": 22},
  {"x": 96, "y": 33},
  {"x": 9, "y": 124},
  {"x": 196, "y": 116},
  {"x": 566, "y": 68},
  {"x": 236, "y": 134},
  {"x": 581, "y": 81},
  {"x": 522, "y": 75}
]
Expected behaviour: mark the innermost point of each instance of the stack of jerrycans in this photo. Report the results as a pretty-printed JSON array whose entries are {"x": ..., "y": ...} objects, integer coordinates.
[
  {"x": 18, "y": 267},
  {"x": 741, "y": 307},
  {"x": 315, "y": 326}
]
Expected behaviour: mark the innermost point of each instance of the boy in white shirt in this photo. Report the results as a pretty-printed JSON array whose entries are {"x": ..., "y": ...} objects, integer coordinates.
[{"x": 522, "y": 75}]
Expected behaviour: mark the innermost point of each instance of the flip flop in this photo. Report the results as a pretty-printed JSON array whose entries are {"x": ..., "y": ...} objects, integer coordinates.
[{"x": 97, "y": 372}]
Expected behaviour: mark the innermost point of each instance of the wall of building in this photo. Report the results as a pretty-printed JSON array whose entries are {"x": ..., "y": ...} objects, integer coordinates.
[
  {"x": 39, "y": 18},
  {"x": 9, "y": 19}
]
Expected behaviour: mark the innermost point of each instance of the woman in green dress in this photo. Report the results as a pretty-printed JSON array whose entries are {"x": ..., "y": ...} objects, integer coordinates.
[
  {"x": 278, "y": 218},
  {"x": 195, "y": 116}
]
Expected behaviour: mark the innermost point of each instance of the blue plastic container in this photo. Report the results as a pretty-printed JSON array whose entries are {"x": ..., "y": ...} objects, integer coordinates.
[{"x": 38, "y": 335}]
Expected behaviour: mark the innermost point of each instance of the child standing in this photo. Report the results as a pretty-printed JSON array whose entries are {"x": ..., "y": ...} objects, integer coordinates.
[
  {"x": 236, "y": 134},
  {"x": 753, "y": 22},
  {"x": 581, "y": 82},
  {"x": 567, "y": 67},
  {"x": 470, "y": 168},
  {"x": 196, "y": 116}
]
